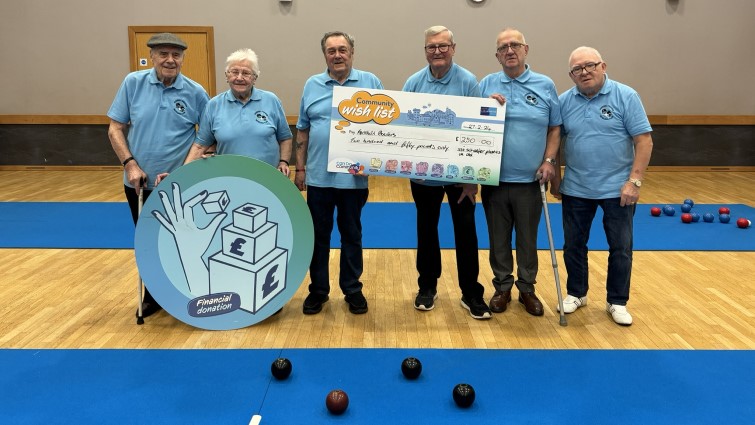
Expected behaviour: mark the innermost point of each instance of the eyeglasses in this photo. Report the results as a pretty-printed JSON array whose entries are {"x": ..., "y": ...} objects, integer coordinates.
[
  {"x": 443, "y": 48},
  {"x": 333, "y": 51},
  {"x": 589, "y": 67},
  {"x": 236, "y": 72},
  {"x": 513, "y": 46}
]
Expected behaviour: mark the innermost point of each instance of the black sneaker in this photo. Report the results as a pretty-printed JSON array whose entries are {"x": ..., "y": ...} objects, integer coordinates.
[
  {"x": 477, "y": 307},
  {"x": 313, "y": 303},
  {"x": 425, "y": 300},
  {"x": 357, "y": 303}
]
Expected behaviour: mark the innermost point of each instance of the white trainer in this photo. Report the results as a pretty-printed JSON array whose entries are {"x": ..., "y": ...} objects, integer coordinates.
[
  {"x": 619, "y": 314},
  {"x": 572, "y": 303}
]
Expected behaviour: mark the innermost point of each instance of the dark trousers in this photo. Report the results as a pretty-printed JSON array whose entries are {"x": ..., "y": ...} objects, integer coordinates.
[
  {"x": 578, "y": 214},
  {"x": 428, "y": 200},
  {"x": 513, "y": 207},
  {"x": 133, "y": 202},
  {"x": 348, "y": 203}
]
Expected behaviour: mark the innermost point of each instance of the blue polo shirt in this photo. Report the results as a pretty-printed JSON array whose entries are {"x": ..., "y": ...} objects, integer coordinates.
[
  {"x": 161, "y": 120},
  {"x": 314, "y": 114},
  {"x": 457, "y": 82},
  {"x": 598, "y": 149},
  {"x": 254, "y": 129},
  {"x": 531, "y": 107}
]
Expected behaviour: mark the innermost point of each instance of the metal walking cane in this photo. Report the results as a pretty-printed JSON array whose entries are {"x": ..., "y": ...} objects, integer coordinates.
[
  {"x": 140, "y": 284},
  {"x": 562, "y": 319}
]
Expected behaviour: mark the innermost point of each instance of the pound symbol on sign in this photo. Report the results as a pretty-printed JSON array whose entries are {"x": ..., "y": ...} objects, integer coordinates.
[
  {"x": 236, "y": 246},
  {"x": 270, "y": 282}
]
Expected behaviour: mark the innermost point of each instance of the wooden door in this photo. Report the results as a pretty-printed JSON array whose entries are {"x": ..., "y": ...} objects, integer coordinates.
[{"x": 199, "y": 62}]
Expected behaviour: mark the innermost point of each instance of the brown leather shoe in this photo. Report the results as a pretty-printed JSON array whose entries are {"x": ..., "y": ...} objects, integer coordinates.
[
  {"x": 500, "y": 301},
  {"x": 531, "y": 303}
]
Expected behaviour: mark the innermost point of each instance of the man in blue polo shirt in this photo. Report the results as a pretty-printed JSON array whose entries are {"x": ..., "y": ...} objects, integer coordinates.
[
  {"x": 160, "y": 109},
  {"x": 326, "y": 191},
  {"x": 530, "y": 144},
  {"x": 606, "y": 151},
  {"x": 443, "y": 76}
]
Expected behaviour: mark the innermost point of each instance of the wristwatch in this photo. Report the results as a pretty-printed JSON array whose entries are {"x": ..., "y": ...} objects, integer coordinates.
[
  {"x": 636, "y": 182},
  {"x": 550, "y": 161}
]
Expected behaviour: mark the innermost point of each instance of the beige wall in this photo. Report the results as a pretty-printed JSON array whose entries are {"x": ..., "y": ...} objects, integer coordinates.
[{"x": 683, "y": 56}]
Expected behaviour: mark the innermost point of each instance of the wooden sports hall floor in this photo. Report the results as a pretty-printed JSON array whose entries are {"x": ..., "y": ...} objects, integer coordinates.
[{"x": 71, "y": 298}]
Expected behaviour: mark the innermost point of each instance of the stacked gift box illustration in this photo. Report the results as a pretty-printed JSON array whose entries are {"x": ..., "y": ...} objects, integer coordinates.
[{"x": 250, "y": 263}]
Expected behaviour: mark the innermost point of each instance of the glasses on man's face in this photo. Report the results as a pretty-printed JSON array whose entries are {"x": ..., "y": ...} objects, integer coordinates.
[
  {"x": 513, "y": 46},
  {"x": 443, "y": 48},
  {"x": 589, "y": 67},
  {"x": 334, "y": 51},
  {"x": 247, "y": 75}
]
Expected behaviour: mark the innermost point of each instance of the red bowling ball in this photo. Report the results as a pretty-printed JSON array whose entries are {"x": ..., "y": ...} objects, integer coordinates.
[
  {"x": 655, "y": 212},
  {"x": 337, "y": 401},
  {"x": 686, "y": 218},
  {"x": 724, "y": 210},
  {"x": 743, "y": 223}
]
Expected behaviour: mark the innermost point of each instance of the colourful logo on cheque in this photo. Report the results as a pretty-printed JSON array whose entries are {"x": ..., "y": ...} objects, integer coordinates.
[{"x": 364, "y": 107}]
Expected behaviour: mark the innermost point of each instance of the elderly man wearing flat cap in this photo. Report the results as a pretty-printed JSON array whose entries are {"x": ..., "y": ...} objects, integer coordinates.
[{"x": 160, "y": 108}]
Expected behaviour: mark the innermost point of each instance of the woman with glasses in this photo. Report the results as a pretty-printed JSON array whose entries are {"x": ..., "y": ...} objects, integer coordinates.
[{"x": 245, "y": 120}]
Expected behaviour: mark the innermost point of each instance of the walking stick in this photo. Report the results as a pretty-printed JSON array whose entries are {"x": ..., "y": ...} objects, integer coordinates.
[
  {"x": 140, "y": 284},
  {"x": 562, "y": 319}
]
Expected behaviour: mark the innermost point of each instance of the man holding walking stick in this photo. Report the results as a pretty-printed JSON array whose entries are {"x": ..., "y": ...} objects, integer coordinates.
[
  {"x": 606, "y": 151},
  {"x": 530, "y": 145},
  {"x": 159, "y": 109}
]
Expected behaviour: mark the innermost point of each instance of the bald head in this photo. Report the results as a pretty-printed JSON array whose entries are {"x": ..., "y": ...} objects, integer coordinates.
[
  {"x": 585, "y": 52},
  {"x": 511, "y": 33},
  {"x": 511, "y": 52},
  {"x": 587, "y": 70}
]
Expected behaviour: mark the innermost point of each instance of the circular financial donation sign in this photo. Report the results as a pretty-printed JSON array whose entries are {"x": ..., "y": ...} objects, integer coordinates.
[{"x": 224, "y": 242}]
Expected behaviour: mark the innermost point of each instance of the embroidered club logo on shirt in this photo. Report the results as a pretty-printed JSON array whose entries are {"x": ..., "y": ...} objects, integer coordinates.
[
  {"x": 261, "y": 117},
  {"x": 606, "y": 112},
  {"x": 180, "y": 106},
  {"x": 531, "y": 99}
]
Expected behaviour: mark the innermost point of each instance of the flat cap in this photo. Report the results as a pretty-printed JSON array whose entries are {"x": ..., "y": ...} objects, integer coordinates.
[{"x": 166, "y": 38}]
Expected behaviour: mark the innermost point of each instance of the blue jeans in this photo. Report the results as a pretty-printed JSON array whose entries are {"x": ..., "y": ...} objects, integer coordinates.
[
  {"x": 323, "y": 202},
  {"x": 578, "y": 214}
]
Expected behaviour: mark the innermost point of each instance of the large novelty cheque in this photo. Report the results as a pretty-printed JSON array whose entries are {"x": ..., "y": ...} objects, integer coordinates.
[
  {"x": 224, "y": 242},
  {"x": 416, "y": 135}
]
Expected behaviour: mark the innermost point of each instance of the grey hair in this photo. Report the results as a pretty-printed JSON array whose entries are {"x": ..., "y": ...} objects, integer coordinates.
[
  {"x": 242, "y": 55},
  {"x": 437, "y": 29},
  {"x": 327, "y": 35}
]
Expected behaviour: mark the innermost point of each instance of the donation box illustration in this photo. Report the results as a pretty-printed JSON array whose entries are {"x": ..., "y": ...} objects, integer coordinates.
[{"x": 224, "y": 242}]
